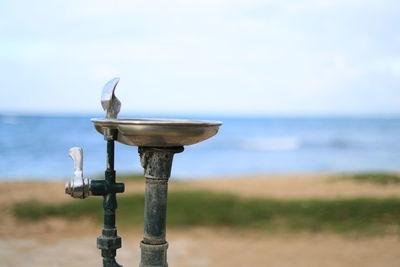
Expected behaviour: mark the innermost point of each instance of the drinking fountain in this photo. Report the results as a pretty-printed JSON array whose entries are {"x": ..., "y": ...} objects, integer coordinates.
[{"x": 157, "y": 141}]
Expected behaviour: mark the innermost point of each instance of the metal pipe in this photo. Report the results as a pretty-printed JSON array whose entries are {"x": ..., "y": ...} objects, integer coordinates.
[
  {"x": 80, "y": 187},
  {"x": 109, "y": 241},
  {"x": 157, "y": 163}
]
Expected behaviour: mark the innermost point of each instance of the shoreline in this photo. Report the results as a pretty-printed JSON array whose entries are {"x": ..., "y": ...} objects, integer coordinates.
[
  {"x": 45, "y": 240},
  {"x": 273, "y": 186}
]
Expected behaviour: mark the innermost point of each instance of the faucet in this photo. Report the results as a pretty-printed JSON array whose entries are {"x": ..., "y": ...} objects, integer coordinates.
[
  {"x": 77, "y": 187},
  {"x": 109, "y": 101},
  {"x": 157, "y": 141},
  {"x": 80, "y": 187}
]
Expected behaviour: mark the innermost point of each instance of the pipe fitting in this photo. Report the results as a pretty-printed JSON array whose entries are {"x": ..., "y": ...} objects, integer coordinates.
[{"x": 78, "y": 188}]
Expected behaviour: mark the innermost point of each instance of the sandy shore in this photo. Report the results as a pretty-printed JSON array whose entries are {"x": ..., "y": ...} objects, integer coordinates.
[{"x": 54, "y": 242}]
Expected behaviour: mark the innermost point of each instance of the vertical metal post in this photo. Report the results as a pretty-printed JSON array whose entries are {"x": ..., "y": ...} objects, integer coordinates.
[
  {"x": 109, "y": 241},
  {"x": 157, "y": 163}
]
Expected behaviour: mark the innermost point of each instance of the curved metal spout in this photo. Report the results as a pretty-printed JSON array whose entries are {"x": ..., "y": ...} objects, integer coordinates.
[{"x": 109, "y": 101}]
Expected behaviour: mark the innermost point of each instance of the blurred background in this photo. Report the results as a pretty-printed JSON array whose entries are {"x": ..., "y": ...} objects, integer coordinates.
[
  {"x": 306, "y": 89},
  {"x": 301, "y": 86}
]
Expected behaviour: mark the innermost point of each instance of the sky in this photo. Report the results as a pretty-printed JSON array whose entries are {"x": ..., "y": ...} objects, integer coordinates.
[{"x": 208, "y": 56}]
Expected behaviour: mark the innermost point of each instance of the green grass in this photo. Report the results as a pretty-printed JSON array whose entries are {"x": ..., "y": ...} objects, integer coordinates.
[
  {"x": 375, "y": 178},
  {"x": 201, "y": 208},
  {"x": 126, "y": 177}
]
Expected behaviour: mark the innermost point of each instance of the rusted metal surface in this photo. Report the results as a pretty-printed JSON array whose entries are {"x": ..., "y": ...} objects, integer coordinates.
[{"x": 157, "y": 163}]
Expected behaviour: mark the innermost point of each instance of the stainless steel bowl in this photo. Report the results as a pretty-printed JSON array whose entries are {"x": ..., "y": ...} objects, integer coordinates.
[{"x": 159, "y": 132}]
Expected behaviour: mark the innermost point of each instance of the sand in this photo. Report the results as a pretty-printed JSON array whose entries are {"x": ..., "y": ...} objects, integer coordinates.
[
  {"x": 300, "y": 186},
  {"x": 57, "y": 242}
]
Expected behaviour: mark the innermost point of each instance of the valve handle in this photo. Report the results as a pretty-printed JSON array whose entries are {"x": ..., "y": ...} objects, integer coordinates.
[
  {"x": 77, "y": 187},
  {"x": 76, "y": 154}
]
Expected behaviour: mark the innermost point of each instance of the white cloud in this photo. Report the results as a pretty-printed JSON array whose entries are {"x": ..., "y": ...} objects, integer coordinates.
[{"x": 242, "y": 56}]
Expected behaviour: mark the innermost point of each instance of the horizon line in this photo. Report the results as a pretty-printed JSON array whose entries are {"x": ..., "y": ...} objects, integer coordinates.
[{"x": 212, "y": 114}]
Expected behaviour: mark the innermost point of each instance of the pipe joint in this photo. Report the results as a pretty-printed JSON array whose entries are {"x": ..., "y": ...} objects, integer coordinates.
[
  {"x": 103, "y": 187},
  {"x": 153, "y": 255},
  {"x": 109, "y": 243}
]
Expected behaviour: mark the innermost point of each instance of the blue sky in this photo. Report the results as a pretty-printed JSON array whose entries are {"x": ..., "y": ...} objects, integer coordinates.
[{"x": 209, "y": 56}]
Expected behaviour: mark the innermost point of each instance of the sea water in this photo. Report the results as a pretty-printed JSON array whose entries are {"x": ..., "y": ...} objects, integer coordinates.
[{"x": 37, "y": 147}]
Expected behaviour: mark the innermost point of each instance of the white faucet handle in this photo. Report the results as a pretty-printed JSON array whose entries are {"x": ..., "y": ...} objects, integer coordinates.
[
  {"x": 76, "y": 153},
  {"x": 77, "y": 187}
]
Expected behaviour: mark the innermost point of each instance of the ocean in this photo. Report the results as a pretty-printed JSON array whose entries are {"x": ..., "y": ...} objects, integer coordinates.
[{"x": 36, "y": 147}]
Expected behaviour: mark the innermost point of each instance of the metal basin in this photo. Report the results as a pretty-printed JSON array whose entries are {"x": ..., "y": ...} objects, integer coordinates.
[{"x": 159, "y": 132}]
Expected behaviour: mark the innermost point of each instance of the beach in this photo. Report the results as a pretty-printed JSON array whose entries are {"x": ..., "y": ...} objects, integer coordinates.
[
  {"x": 243, "y": 133},
  {"x": 56, "y": 241}
]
